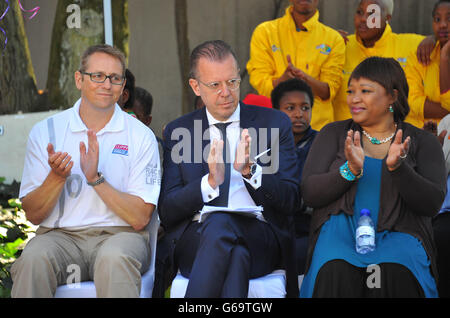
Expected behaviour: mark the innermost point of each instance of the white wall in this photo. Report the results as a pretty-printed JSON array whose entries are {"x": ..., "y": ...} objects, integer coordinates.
[{"x": 13, "y": 142}]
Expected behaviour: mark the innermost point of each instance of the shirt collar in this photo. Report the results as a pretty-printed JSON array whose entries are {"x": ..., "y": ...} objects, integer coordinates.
[
  {"x": 306, "y": 136},
  {"x": 235, "y": 117},
  {"x": 310, "y": 24},
  {"x": 117, "y": 122},
  {"x": 384, "y": 40}
]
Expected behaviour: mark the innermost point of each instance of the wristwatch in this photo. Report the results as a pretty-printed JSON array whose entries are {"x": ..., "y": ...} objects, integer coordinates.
[
  {"x": 100, "y": 179},
  {"x": 251, "y": 172}
]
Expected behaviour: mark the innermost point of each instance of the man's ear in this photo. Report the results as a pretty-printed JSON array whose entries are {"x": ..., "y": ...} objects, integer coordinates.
[
  {"x": 148, "y": 120},
  {"x": 195, "y": 87},
  {"x": 78, "y": 79}
]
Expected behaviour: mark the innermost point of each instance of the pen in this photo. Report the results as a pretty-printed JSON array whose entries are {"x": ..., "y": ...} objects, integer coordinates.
[{"x": 261, "y": 154}]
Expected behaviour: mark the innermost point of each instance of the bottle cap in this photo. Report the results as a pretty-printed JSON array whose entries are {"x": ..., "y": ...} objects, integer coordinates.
[{"x": 365, "y": 212}]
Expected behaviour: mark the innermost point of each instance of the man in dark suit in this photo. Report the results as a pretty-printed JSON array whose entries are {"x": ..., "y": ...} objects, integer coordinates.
[{"x": 209, "y": 163}]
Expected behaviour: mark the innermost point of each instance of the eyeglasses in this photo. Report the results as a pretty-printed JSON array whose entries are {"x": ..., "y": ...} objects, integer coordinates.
[
  {"x": 101, "y": 78},
  {"x": 232, "y": 84}
]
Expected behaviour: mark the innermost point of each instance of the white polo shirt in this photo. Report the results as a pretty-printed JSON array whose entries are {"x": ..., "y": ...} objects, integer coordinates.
[{"x": 128, "y": 159}]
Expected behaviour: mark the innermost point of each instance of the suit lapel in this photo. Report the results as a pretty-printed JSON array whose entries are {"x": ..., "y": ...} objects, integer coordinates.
[
  {"x": 248, "y": 121},
  {"x": 205, "y": 139}
]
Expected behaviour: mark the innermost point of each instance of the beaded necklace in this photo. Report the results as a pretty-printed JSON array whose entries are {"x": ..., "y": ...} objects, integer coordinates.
[{"x": 376, "y": 141}]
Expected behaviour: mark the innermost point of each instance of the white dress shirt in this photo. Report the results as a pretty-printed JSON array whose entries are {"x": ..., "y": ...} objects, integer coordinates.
[{"x": 238, "y": 195}]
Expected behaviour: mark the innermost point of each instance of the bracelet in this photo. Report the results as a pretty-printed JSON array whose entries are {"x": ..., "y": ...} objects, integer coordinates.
[{"x": 347, "y": 174}]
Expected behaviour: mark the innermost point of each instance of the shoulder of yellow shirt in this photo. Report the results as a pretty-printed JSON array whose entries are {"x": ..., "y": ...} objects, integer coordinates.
[{"x": 405, "y": 38}]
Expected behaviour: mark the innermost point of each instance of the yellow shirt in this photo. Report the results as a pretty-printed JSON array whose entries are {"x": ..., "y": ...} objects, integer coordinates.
[
  {"x": 423, "y": 83},
  {"x": 397, "y": 46},
  {"x": 319, "y": 52}
]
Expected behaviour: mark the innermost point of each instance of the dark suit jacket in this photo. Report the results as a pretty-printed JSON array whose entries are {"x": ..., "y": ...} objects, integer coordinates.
[{"x": 181, "y": 196}]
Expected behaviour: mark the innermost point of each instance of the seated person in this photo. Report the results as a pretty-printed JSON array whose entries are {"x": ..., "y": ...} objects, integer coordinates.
[
  {"x": 441, "y": 222},
  {"x": 86, "y": 184},
  {"x": 429, "y": 86},
  {"x": 126, "y": 100},
  {"x": 221, "y": 253},
  {"x": 295, "y": 98},
  {"x": 377, "y": 162}
]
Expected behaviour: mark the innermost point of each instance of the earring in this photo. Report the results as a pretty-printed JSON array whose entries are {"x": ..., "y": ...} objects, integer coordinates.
[{"x": 391, "y": 109}]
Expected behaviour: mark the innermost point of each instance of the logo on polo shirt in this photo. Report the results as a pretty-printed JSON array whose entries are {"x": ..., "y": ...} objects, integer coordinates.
[
  {"x": 324, "y": 49},
  {"x": 275, "y": 48},
  {"x": 402, "y": 61},
  {"x": 121, "y": 150}
]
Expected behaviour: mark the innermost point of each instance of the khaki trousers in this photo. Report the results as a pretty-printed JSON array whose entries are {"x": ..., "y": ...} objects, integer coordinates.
[{"x": 113, "y": 257}]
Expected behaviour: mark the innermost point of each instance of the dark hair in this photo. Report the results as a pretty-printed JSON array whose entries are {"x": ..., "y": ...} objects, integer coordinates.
[
  {"x": 216, "y": 51},
  {"x": 102, "y": 48},
  {"x": 145, "y": 99},
  {"x": 388, "y": 73},
  {"x": 130, "y": 86},
  {"x": 437, "y": 4},
  {"x": 290, "y": 85}
]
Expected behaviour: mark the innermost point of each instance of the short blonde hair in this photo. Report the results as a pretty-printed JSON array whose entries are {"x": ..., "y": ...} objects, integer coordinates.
[{"x": 102, "y": 48}]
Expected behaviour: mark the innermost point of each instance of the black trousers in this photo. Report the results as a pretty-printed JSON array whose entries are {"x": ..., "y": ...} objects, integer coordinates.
[
  {"x": 221, "y": 254},
  {"x": 301, "y": 249},
  {"x": 441, "y": 229},
  {"x": 339, "y": 279}
]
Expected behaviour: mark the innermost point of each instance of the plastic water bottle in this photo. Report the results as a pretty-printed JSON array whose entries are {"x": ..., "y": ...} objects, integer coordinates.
[{"x": 365, "y": 233}]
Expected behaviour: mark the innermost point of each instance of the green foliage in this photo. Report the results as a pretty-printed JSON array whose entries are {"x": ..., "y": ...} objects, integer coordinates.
[{"x": 15, "y": 230}]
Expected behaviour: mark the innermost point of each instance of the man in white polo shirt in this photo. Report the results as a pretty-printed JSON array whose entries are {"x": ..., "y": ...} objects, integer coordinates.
[{"x": 91, "y": 180}]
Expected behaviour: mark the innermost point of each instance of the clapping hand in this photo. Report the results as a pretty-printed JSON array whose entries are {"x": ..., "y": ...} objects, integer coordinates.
[
  {"x": 89, "y": 158},
  {"x": 59, "y": 162},
  {"x": 215, "y": 164},
  {"x": 242, "y": 161},
  {"x": 397, "y": 151},
  {"x": 354, "y": 153}
]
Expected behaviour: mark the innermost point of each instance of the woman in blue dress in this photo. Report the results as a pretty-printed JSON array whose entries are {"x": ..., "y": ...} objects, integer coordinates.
[{"x": 373, "y": 161}]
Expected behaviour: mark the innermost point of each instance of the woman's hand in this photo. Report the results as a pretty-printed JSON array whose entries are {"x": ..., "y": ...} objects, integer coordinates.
[
  {"x": 425, "y": 49},
  {"x": 398, "y": 151},
  {"x": 354, "y": 153}
]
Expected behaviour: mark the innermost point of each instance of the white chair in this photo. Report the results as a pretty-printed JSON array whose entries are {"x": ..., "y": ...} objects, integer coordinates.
[
  {"x": 269, "y": 286},
  {"x": 87, "y": 289}
]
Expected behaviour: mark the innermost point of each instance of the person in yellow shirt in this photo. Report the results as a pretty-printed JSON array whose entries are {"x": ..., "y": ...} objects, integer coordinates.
[
  {"x": 297, "y": 45},
  {"x": 373, "y": 37},
  {"x": 429, "y": 86}
]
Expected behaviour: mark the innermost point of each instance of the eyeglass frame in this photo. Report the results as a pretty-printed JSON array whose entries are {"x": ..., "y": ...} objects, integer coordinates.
[
  {"x": 220, "y": 90},
  {"x": 106, "y": 77}
]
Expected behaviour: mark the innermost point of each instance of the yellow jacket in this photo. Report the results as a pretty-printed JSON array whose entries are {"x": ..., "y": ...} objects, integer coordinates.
[
  {"x": 423, "y": 83},
  {"x": 397, "y": 46},
  {"x": 319, "y": 52}
]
